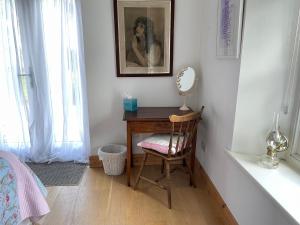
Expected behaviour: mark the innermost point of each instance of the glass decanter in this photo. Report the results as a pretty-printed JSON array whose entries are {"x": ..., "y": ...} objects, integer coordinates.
[{"x": 276, "y": 142}]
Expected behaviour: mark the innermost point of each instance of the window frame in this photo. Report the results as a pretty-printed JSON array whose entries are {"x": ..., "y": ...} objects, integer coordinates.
[{"x": 293, "y": 154}]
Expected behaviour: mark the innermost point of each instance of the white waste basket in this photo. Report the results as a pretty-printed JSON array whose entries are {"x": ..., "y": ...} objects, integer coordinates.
[{"x": 113, "y": 158}]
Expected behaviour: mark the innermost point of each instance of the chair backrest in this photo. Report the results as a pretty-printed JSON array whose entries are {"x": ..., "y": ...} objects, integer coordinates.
[{"x": 183, "y": 131}]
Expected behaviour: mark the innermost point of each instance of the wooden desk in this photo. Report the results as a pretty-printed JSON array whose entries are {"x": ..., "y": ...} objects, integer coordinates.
[{"x": 151, "y": 120}]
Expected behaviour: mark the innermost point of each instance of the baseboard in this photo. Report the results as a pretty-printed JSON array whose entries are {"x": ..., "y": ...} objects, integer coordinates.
[
  {"x": 94, "y": 162},
  {"x": 199, "y": 172},
  {"x": 212, "y": 191}
]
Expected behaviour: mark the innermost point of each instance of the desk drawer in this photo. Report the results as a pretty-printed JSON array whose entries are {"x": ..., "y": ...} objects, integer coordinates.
[{"x": 150, "y": 126}]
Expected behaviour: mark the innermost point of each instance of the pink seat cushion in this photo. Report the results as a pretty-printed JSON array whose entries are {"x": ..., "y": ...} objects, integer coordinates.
[{"x": 160, "y": 143}]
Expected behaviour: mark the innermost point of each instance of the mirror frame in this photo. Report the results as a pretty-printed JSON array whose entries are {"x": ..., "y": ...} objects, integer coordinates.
[{"x": 179, "y": 74}]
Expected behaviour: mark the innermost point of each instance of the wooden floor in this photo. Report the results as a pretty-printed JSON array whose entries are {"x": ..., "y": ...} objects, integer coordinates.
[{"x": 104, "y": 200}]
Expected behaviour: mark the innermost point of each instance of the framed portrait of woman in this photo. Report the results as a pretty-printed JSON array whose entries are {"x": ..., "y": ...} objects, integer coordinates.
[{"x": 144, "y": 37}]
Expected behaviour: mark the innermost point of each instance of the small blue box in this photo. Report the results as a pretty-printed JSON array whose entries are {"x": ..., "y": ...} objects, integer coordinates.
[{"x": 130, "y": 104}]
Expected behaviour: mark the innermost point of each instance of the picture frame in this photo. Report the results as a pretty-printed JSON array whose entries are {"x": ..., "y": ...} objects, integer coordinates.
[
  {"x": 144, "y": 37},
  {"x": 229, "y": 32}
]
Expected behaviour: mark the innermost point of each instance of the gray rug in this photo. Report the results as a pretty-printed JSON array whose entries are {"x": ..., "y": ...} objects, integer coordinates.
[{"x": 59, "y": 173}]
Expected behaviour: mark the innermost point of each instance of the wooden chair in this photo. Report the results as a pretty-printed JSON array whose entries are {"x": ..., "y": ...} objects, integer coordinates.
[{"x": 176, "y": 146}]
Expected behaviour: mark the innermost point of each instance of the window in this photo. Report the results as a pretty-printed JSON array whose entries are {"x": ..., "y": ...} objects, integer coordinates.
[
  {"x": 13, "y": 128},
  {"x": 43, "y": 113},
  {"x": 63, "y": 78},
  {"x": 295, "y": 131},
  {"x": 293, "y": 93}
]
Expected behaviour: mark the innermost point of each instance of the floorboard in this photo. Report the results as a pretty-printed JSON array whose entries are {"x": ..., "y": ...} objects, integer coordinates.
[{"x": 105, "y": 200}]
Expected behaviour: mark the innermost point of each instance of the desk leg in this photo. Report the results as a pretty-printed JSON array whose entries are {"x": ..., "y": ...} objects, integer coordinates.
[
  {"x": 129, "y": 153},
  {"x": 192, "y": 181}
]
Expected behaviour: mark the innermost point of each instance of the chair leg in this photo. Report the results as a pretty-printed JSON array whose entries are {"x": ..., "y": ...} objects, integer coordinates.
[
  {"x": 162, "y": 166},
  {"x": 140, "y": 172},
  {"x": 192, "y": 179},
  {"x": 184, "y": 163},
  {"x": 169, "y": 183}
]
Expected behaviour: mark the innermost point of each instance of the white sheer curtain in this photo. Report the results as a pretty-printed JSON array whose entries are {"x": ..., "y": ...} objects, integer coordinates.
[
  {"x": 52, "y": 82},
  {"x": 14, "y": 133}
]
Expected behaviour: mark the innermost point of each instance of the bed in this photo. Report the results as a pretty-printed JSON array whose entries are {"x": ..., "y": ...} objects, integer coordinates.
[{"x": 22, "y": 195}]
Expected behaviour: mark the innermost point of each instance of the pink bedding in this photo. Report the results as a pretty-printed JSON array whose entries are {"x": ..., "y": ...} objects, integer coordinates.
[{"x": 31, "y": 202}]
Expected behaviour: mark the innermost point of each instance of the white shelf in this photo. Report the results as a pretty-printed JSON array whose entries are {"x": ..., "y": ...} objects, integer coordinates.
[{"x": 281, "y": 184}]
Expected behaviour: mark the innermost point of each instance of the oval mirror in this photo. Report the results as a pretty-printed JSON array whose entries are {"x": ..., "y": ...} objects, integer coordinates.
[{"x": 185, "y": 81}]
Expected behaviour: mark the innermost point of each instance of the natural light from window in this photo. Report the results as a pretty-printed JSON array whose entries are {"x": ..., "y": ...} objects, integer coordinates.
[{"x": 18, "y": 87}]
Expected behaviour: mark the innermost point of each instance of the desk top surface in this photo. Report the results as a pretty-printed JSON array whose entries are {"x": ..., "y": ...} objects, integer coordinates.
[{"x": 153, "y": 114}]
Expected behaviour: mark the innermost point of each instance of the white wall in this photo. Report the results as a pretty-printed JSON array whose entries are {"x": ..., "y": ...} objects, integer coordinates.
[
  {"x": 105, "y": 89},
  {"x": 195, "y": 45},
  {"x": 268, "y": 41},
  {"x": 218, "y": 92}
]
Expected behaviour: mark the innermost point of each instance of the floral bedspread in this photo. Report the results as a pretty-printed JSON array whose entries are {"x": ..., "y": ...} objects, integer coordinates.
[
  {"x": 9, "y": 209},
  {"x": 9, "y": 199}
]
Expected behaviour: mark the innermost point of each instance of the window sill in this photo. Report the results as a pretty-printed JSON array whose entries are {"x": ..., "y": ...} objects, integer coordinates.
[{"x": 281, "y": 184}]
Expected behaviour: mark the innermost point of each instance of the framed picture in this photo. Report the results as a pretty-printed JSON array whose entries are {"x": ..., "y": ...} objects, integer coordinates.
[
  {"x": 144, "y": 37},
  {"x": 230, "y": 21}
]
